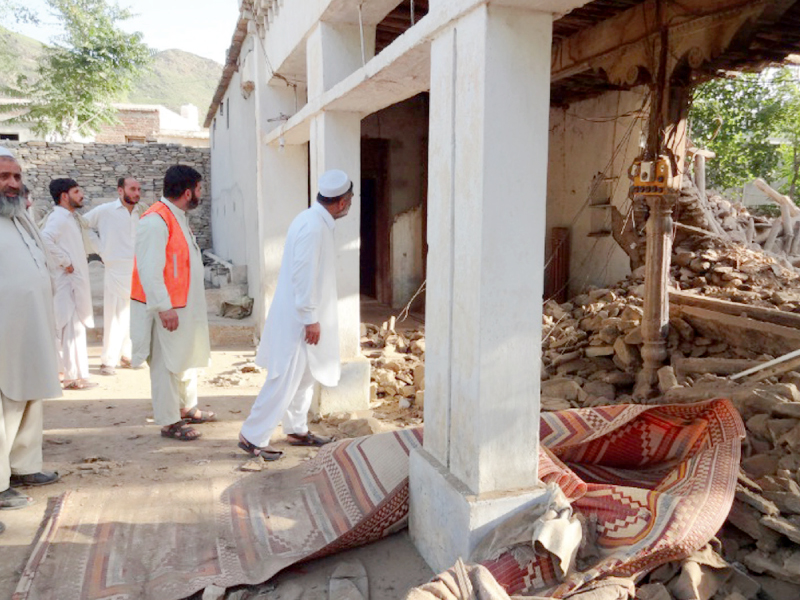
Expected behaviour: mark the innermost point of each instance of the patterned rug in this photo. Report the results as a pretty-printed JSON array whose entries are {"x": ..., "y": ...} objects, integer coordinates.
[{"x": 658, "y": 481}]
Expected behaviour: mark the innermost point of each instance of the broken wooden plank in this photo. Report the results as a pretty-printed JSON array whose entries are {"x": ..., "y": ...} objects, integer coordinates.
[
  {"x": 742, "y": 332},
  {"x": 759, "y": 313},
  {"x": 778, "y": 369}
]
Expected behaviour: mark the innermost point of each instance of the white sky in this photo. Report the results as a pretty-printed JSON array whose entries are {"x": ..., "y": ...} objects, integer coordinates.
[{"x": 203, "y": 27}]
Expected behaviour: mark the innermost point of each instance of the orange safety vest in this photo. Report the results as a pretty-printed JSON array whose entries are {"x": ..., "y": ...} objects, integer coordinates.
[{"x": 177, "y": 270}]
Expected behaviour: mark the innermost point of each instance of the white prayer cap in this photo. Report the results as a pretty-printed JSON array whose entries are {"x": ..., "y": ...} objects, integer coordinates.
[
  {"x": 334, "y": 183},
  {"x": 6, "y": 152}
]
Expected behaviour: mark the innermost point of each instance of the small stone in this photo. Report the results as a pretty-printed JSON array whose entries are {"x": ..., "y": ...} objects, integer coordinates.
[
  {"x": 405, "y": 403},
  {"x": 759, "y": 465},
  {"x": 634, "y": 337},
  {"x": 593, "y": 351},
  {"x": 784, "y": 527},
  {"x": 361, "y": 427},
  {"x": 666, "y": 379},
  {"x": 561, "y": 387},
  {"x": 600, "y": 389}
]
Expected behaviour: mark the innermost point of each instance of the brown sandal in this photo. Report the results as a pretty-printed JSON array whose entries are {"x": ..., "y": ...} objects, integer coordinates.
[
  {"x": 180, "y": 431},
  {"x": 308, "y": 439},
  {"x": 263, "y": 452},
  {"x": 195, "y": 416}
]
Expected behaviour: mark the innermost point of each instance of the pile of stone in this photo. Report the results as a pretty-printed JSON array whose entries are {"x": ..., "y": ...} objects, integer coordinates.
[{"x": 398, "y": 364}]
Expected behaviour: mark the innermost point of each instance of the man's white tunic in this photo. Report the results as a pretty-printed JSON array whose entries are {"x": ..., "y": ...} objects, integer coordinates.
[
  {"x": 188, "y": 346},
  {"x": 113, "y": 233},
  {"x": 29, "y": 365},
  {"x": 305, "y": 294},
  {"x": 73, "y": 296}
]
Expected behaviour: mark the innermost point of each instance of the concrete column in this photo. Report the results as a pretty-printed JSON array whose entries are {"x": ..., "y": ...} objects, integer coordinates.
[
  {"x": 333, "y": 52},
  {"x": 490, "y": 82},
  {"x": 282, "y": 182}
]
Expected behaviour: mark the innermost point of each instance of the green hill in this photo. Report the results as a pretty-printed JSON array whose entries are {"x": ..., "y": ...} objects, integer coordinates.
[{"x": 174, "y": 78}]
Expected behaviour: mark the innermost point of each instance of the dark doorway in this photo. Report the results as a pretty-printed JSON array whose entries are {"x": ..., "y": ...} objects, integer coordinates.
[{"x": 376, "y": 278}]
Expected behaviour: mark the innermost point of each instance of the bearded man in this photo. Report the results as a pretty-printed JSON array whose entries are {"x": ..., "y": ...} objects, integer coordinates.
[
  {"x": 29, "y": 368},
  {"x": 73, "y": 298},
  {"x": 169, "y": 322},
  {"x": 112, "y": 229}
]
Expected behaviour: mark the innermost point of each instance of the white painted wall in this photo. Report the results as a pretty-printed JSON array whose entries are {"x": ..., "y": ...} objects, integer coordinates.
[
  {"x": 234, "y": 168},
  {"x": 579, "y": 149}
]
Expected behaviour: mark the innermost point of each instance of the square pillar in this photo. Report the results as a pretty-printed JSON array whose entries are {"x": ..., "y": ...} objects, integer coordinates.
[
  {"x": 281, "y": 181},
  {"x": 490, "y": 82},
  {"x": 336, "y": 144},
  {"x": 333, "y": 51}
]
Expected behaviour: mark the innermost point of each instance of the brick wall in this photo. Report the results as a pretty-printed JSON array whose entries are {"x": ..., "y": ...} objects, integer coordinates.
[
  {"x": 134, "y": 123},
  {"x": 96, "y": 167}
]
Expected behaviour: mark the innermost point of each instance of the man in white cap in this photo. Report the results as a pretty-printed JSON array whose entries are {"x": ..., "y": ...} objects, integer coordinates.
[
  {"x": 73, "y": 297},
  {"x": 300, "y": 343},
  {"x": 29, "y": 367},
  {"x": 113, "y": 232}
]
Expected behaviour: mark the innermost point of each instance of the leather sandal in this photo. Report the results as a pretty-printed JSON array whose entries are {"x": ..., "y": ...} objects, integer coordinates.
[
  {"x": 262, "y": 451},
  {"x": 180, "y": 431},
  {"x": 12, "y": 500},
  {"x": 196, "y": 416},
  {"x": 34, "y": 479},
  {"x": 308, "y": 439}
]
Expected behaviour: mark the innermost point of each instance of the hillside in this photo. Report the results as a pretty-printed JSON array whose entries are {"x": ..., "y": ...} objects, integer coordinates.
[{"x": 174, "y": 78}]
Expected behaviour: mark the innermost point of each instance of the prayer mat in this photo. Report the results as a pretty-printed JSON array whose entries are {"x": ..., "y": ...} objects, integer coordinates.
[{"x": 657, "y": 482}]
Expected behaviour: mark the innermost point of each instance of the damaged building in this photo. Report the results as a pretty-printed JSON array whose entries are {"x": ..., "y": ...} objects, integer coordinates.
[{"x": 503, "y": 152}]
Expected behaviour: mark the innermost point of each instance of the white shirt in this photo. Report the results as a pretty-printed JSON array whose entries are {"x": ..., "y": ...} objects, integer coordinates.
[
  {"x": 29, "y": 365},
  {"x": 113, "y": 230},
  {"x": 188, "y": 346},
  {"x": 305, "y": 294},
  {"x": 64, "y": 240}
]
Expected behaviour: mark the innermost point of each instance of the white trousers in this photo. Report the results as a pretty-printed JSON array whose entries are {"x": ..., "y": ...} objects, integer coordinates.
[
  {"x": 170, "y": 391},
  {"x": 286, "y": 397},
  {"x": 116, "y": 327},
  {"x": 72, "y": 350},
  {"x": 20, "y": 438}
]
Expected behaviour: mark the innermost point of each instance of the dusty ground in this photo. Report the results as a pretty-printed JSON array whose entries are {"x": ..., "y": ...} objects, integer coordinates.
[{"x": 105, "y": 438}]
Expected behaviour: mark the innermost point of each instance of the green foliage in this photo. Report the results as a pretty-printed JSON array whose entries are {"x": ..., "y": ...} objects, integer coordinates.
[
  {"x": 748, "y": 120},
  {"x": 89, "y": 67}
]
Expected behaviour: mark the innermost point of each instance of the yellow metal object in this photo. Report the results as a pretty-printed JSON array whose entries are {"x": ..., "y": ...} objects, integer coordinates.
[{"x": 651, "y": 178}]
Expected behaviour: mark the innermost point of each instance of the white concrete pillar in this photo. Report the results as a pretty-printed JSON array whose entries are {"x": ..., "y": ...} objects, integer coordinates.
[
  {"x": 490, "y": 82},
  {"x": 333, "y": 52},
  {"x": 282, "y": 182}
]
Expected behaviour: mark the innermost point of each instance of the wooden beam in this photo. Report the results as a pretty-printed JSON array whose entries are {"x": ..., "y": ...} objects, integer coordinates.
[
  {"x": 759, "y": 313},
  {"x": 623, "y": 43}
]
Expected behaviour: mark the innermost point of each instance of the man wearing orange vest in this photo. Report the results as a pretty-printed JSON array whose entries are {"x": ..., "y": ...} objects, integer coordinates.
[{"x": 169, "y": 324}]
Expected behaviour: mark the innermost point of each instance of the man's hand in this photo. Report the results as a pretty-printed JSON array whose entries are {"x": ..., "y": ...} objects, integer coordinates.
[
  {"x": 312, "y": 334},
  {"x": 169, "y": 319},
  {"x": 69, "y": 269}
]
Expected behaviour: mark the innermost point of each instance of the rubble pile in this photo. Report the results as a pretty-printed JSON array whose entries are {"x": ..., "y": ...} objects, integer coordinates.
[{"x": 398, "y": 364}]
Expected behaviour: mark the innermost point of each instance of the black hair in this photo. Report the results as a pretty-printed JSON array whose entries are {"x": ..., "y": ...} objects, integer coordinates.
[
  {"x": 61, "y": 186},
  {"x": 121, "y": 182},
  {"x": 328, "y": 201},
  {"x": 180, "y": 178}
]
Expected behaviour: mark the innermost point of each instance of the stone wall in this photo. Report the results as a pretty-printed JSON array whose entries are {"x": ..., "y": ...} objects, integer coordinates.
[{"x": 96, "y": 167}]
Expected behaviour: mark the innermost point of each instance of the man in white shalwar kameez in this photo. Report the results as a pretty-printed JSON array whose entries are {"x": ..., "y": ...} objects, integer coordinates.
[
  {"x": 73, "y": 296},
  {"x": 29, "y": 365},
  {"x": 300, "y": 342},
  {"x": 169, "y": 322},
  {"x": 112, "y": 229}
]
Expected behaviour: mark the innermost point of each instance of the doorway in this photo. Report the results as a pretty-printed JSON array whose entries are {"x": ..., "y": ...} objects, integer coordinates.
[{"x": 376, "y": 280}]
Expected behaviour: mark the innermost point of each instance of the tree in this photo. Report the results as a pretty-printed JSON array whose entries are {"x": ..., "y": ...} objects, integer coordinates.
[
  {"x": 735, "y": 117},
  {"x": 87, "y": 69},
  {"x": 788, "y": 131}
]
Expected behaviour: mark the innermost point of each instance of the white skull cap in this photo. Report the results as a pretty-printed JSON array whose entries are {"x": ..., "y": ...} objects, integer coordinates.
[{"x": 334, "y": 183}]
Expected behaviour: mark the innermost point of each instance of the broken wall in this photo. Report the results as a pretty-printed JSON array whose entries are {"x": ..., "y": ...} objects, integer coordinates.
[
  {"x": 600, "y": 135},
  {"x": 405, "y": 125}
]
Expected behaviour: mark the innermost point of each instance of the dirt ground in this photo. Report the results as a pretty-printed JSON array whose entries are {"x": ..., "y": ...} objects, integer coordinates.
[{"x": 105, "y": 437}]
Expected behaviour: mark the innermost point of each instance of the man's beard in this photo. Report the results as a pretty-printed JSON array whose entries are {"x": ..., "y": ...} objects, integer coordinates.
[
  {"x": 128, "y": 200},
  {"x": 75, "y": 203},
  {"x": 194, "y": 202},
  {"x": 11, "y": 206}
]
